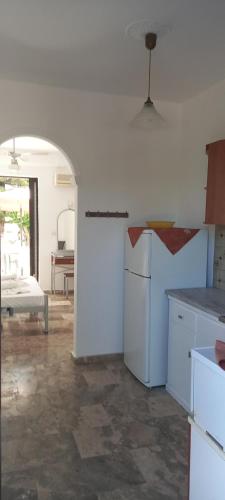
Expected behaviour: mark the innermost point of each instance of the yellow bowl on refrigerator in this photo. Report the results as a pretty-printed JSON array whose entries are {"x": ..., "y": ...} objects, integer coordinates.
[{"x": 159, "y": 224}]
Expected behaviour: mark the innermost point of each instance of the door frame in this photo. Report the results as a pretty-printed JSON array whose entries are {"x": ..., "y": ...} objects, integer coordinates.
[
  {"x": 34, "y": 221},
  {"x": 34, "y": 227}
]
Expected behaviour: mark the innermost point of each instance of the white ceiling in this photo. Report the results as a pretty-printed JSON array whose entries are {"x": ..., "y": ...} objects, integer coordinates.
[
  {"x": 31, "y": 144},
  {"x": 82, "y": 44}
]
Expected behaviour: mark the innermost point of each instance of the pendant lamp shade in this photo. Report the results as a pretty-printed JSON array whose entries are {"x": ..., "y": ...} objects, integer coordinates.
[{"x": 148, "y": 118}]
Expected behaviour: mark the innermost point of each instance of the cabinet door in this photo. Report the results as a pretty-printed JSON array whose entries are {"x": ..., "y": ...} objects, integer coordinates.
[
  {"x": 181, "y": 341},
  {"x": 208, "y": 331},
  {"x": 215, "y": 199}
]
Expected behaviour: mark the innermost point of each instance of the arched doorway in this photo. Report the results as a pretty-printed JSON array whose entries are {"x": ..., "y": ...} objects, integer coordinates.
[{"x": 24, "y": 158}]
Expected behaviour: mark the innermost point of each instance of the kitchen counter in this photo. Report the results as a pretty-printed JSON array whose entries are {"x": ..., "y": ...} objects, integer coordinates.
[{"x": 209, "y": 300}]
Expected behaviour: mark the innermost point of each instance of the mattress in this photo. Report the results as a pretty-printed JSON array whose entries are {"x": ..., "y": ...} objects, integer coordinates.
[{"x": 29, "y": 297}]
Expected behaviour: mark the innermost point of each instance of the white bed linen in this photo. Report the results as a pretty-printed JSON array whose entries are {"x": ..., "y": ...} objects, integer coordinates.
[
  {"x": 31, "y": 296},
  {"x": 8, "y": 277}
]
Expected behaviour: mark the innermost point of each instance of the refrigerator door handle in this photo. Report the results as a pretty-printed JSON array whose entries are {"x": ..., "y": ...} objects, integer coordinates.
[{"x": 140, "y": 275}]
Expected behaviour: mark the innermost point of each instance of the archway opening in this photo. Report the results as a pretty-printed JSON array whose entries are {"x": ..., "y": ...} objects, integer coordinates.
[{"x": 38, "y": 210}]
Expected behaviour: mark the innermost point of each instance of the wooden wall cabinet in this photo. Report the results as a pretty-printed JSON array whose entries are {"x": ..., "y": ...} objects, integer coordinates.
[{"x": 215, "y": 199}]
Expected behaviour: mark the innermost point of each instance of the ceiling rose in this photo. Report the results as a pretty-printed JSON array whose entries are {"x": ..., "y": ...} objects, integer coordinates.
[{"x": 138, "y": 29}]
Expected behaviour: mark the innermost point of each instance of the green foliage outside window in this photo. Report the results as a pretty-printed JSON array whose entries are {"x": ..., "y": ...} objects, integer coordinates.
[{"x": 23, "y": 221}]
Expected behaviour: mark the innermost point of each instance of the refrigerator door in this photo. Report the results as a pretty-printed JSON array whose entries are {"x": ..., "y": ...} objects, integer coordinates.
[
  {"x": 136, "y": 325},
  {"x": 138, "y": 258}
]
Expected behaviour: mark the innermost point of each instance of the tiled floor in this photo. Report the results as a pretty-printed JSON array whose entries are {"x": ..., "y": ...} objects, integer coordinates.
[{"x": 83, "y": 432}]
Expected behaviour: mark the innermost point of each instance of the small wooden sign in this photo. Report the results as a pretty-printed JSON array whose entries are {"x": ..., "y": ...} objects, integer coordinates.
[{"x": 116, "y": 215}]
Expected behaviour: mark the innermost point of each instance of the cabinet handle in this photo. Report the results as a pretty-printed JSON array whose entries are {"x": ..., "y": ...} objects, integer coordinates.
[
  {"x": 180, "y": 316},
  {"x": 189, "y": 354}
]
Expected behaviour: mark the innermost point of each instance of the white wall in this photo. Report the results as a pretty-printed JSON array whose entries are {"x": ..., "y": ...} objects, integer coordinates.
[
  {"x": 51, "y": 200},
  {"x": 118, "y": 168},
  {"x": 203, "y": 121}
]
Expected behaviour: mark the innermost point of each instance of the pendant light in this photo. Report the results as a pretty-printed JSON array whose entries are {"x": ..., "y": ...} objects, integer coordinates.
[{"x": 148, "y": 117}]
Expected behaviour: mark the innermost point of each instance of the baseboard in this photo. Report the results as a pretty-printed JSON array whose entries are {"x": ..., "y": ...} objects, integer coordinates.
[
  {"x": 100, "y": 358},
  {"x": 179, "y": 400}
]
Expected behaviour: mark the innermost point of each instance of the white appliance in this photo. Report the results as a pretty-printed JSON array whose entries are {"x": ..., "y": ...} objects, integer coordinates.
[
  {"x": 207, "y": 444},
  {"x": 150, "y": 269}
]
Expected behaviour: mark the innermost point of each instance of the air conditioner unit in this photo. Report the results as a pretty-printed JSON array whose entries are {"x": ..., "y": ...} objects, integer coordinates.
[{"x": 63, "y": 179}]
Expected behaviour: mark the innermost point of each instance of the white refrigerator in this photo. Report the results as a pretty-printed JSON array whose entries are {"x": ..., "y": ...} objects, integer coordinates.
[{"x": 150, "y": 269}]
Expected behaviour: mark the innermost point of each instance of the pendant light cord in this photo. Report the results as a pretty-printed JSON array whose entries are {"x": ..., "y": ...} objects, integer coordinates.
[
  {"x": 149, "y": 73},
  {"x": 148, "y": 100}
]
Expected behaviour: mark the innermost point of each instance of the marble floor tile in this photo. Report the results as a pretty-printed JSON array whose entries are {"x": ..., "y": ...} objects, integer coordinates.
[
  {"x": 82, "y": 478},
  {"x": 142, "y": 492},
  {"x": 164, "y": 406},
  {"x": 160, "y": 472},
  {"x": 98, "y": 441},
  {"x": 137, "y": 434},
  {"x": 55, "y": 495},
  {"x": 43, "y": 494},
  {"x": 35, "y": 450},
  {"x": 12, "y": 427},
  {"x": 9, "y": 391},
  {"x": 114, "y": 471},
  {"x": 100, "y": 377},
  {"x": 94, "y": 415},
  {"x": 90, "y": 442},
  {"x": 83, "y": 431},
  {"x": 9, "y": 493},
  {"x": 68, "y": 317},
  {"x": 56, "y": 303}
]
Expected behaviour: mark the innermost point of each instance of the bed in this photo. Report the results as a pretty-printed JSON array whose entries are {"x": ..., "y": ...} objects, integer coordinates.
[{"x": 24, "y": 295}]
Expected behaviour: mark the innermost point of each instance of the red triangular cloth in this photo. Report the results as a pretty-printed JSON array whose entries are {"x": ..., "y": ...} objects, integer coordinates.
[
  {"x": 174, "y": 238},
  {"x": 135, "y": 233}
]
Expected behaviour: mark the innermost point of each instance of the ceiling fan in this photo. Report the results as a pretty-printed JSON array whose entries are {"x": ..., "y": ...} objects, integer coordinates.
[
  {"x": 24, "y": 156},
  {"x": 14, "y": 157}
]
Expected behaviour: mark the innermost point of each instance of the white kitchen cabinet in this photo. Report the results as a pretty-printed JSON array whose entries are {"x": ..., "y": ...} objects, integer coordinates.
[
  {"x": 208, "y": 331},
  {"x": 181, "y": 341},
  {"x": 189, "y": 327},
  {"x": 183, "y": 315}
]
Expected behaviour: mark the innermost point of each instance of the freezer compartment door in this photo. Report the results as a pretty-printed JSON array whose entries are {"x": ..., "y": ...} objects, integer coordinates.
[
  {"x": 136, "y": 325},
  {"x": 138, "y": 258}
]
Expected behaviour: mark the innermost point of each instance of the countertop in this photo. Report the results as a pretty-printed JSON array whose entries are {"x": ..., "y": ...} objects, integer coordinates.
[{"x": 209, "y": 300}]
